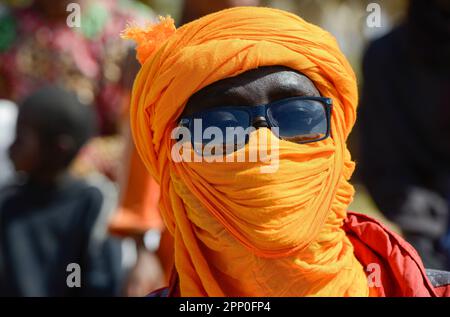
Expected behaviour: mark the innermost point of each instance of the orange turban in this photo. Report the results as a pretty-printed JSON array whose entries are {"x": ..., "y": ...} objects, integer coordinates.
[{"x": 237, "y": 231}]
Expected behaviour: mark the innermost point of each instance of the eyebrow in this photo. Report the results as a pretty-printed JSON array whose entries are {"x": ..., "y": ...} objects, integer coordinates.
[
  {"x": 226, "y": 92},
  {"x": 225, "y": 95}
]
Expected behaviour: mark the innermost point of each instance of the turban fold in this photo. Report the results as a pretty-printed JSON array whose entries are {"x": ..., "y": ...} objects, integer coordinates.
[{"x": 237, "y": 231}]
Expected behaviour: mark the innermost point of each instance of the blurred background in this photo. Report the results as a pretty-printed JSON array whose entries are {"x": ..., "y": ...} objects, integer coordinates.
[{"x": 399, "y": 63}]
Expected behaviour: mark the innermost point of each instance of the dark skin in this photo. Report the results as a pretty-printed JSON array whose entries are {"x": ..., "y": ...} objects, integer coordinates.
[
  {"x": 41, "y": 160},
  {"x": 252, "y": 88}
]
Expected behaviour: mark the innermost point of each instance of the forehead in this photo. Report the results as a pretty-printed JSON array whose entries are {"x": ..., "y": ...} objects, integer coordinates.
[
  {"x": 256, "y": 86},
  {"x": 279, "y": 77}
]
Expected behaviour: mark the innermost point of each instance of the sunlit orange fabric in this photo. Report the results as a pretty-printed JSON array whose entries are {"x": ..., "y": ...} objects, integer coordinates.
[{"x": 237, "y": 231}]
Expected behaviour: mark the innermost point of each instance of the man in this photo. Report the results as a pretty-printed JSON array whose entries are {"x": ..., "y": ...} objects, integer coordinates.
[
  {"x": 407, "y": 91},
  {"x": 239, "y": 231},
  {"x": 50, "y": 220}
]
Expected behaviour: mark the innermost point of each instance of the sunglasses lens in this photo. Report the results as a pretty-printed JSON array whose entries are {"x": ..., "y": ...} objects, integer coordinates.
[
  {"x": 220, "y": 128},
  {"x": 299, "y": 121}
]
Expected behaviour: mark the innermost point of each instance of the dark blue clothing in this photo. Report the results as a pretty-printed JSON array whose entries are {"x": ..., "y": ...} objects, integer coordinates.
[
  {"x": 45, "y": 228},
  {"x": 404, "y": 125}
]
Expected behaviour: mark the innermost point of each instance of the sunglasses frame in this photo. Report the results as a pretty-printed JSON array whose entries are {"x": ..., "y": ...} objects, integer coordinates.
[{"x": 261, "y": 111}]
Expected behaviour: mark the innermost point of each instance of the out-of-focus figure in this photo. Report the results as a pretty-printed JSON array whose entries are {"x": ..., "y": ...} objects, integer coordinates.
[
  {"x": 38, "y": 46},
  {"x": 51, "y": 222},
  {"x": 8, "y": 116},
  {"x": 405, "y": 128}
]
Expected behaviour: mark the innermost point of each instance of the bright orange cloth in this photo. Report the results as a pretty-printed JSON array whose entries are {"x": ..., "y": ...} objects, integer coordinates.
[{"x": 237, "y": 231}]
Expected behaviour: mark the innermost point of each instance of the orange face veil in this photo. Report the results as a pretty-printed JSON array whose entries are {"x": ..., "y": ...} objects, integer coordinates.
[{"x": 237, "y": 231}]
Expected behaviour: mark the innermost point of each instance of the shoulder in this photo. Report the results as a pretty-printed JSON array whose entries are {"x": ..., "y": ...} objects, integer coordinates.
[
  {"x": 400, "y": 268},
  {"x": 8, "y": 191},
  {"x": 87, "y": 197},
  {"x": 82, "y": 189},
  {"x": 361, "y": 225}
]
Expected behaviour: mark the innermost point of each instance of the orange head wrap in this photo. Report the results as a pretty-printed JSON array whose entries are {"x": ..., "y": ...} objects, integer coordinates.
[{"x": 238, "y": 231}]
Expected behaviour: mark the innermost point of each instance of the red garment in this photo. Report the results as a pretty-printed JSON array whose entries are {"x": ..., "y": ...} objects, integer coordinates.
[
  {"x": 401, "y": 269},
  {"x": 402, "y": 273}
]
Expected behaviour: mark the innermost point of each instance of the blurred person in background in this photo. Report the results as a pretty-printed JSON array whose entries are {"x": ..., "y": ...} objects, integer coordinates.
[
  {"x": 50, "y": 219},
  {"x": 404, "y": 121},
  {"x": 37, "y": 47},
  {"x": 138, "y": 213},
  {"x": 8, "y": 116}
]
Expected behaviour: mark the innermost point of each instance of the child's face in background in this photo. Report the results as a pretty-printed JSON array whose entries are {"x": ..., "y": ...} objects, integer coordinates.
[{"x": 26, "y": 152}]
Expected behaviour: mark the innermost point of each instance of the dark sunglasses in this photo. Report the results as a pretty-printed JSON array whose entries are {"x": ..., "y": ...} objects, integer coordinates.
[{"x": 298, "y": 119}]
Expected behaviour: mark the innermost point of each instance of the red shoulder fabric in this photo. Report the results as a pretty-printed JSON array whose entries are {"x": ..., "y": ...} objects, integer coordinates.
[
  {"x": 443, "y": 291},
  {"x": 386, "y": 255}
]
